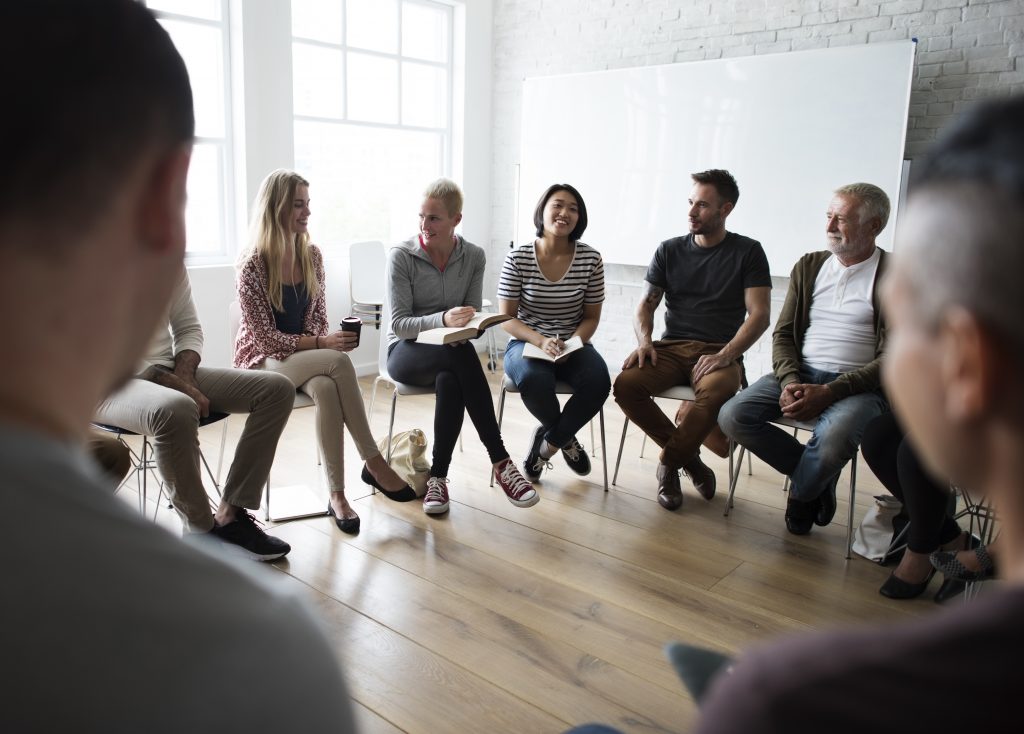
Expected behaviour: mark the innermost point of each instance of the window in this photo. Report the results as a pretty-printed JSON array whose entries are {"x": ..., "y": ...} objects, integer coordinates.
[
  {"x": 372, "y": 86},
  {"x": 199, "y": 29}
]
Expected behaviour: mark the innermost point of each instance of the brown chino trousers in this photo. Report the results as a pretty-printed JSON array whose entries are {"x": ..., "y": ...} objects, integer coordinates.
[{"x": 635, "y": 387}]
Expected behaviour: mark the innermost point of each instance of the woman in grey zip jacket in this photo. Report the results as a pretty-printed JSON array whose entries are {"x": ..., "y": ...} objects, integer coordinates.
[{"x": 435, "y": 279}]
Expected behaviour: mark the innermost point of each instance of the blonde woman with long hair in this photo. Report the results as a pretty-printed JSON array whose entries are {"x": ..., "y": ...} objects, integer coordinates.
[{"x": 284, "y": 329}]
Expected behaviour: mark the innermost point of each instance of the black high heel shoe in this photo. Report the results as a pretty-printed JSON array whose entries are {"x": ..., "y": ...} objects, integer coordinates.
[
  {"x": 950, "y": 588},
  {"x": 896, "y": 588},
  {"x": 405, "y": 494},
  {"x": 348, "y": 525}
]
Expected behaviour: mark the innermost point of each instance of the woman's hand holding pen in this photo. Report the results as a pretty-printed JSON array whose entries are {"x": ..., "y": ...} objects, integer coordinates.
[{"x": 552, "y": 345}]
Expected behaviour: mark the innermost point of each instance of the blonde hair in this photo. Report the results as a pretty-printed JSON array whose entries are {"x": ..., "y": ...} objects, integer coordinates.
[
  {"x": 448, "y": 193},
  {"x": 268, "y": 235}
]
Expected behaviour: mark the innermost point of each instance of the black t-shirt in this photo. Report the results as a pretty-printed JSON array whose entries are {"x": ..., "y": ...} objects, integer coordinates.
[
  {"x": 295, "y": 300},
  {"x": 704, "y": 286}
]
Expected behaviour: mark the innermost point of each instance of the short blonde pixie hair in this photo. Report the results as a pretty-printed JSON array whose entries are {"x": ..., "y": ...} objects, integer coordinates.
[{"x": 448, "y": 193}]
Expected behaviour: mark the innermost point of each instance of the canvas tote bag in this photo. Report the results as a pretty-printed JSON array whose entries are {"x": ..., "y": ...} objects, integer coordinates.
[{"x": 409, "y": 458}]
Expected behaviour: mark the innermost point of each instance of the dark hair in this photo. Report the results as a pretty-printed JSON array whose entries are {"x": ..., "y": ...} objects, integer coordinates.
[
  {"x": 92, "y": 86},
  {"x": 723, "y": 182},
  {"x": 538, "y": 213},
  {"x": 985, "y": 146}
]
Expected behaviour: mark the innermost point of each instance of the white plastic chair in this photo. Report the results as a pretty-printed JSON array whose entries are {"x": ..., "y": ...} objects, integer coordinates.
[
  {"x": 301, "y": 504},
  {"x": 561, "y": 388},
  {"x": 683, "y": 393},
  {"x": 400, "y": 388},
  {"x": 808, "y": 426}
]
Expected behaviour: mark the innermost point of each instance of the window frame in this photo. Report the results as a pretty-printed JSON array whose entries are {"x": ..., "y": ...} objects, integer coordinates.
[{"x": 224, "y": 146}]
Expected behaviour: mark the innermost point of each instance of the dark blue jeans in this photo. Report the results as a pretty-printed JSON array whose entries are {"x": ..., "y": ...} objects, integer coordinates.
[
  {"x": 584, "y": 369},
  {"x": 813, "y": 468}
]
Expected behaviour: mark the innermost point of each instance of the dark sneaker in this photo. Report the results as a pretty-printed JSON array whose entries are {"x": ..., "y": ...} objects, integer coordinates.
[
  {"x": 535, "y": 463},
  {"x": 670, "y": 494},
  {"x": 515, "y": 486},
  {"x": 702, "y": 477},
  {"x": 435, "y": 501},
  {"x": 800, "y": 516},
  {"x": 247, "y": 535},
  {"x": 576, "y": 457}
]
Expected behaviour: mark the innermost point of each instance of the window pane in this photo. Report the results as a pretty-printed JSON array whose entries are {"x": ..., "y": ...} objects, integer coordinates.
[
  {"x": 204, "y": 224},
  {"x": 319, "y": 20},
  {"x": 200, "y": 46},
  {"x": 365, "y": 183},
  {"x": 373, "y": 24},
  {"x": 208, "y": 9},
  {"x": 424, "y": 95},
  {"x": 372, "y": 88},
  {"x": 318, "y": 81},
  {"x": 424, "y": 32}
]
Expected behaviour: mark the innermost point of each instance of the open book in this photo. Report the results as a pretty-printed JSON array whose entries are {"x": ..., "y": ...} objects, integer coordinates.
[
  {"x": 571, "y": 345},
  {"x": 476, "y": 327}
]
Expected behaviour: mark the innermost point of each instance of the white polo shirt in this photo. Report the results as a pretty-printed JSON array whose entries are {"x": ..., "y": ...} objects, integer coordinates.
[{"x": 841, "y": 335}]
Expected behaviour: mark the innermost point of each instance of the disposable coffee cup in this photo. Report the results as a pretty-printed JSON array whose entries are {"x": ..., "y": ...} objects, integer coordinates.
[{"x": 352, "y": 323}]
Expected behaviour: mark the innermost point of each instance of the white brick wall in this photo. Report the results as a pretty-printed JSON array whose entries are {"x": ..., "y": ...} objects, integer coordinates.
[{"x": 967, "y": 49}]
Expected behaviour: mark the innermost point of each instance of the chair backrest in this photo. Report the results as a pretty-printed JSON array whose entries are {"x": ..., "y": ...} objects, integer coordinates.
[
  {"x": 382, "y": 349},
  {"x": 367, "y": 268},
  {"x": 234, "y": 321}
]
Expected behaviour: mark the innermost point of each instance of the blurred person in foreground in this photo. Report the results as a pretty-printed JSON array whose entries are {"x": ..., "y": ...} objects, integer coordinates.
[
  {"x": 110, "y": 623},
  {"x": 953, "y": 371}
]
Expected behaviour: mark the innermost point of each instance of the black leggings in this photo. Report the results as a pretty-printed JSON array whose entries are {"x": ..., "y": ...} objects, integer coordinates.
[
  {"x": 927, "y": 503},
  {"x": 459, "y": 381}
]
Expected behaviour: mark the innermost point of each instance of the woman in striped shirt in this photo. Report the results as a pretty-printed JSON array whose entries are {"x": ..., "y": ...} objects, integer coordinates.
[{"x": 554, "y": 288}]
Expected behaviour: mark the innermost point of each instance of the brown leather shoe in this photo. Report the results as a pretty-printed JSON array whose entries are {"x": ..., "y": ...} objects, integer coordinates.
[
  {"x": 670, "y": 494},
  {"x": 702, "y": 477}
]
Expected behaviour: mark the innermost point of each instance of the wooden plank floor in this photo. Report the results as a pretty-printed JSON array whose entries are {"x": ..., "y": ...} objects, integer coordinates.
[{"x": 495, "y": 618}]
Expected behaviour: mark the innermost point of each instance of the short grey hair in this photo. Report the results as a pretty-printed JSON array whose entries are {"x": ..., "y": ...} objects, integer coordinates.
[{"x": 875, "y": 203}]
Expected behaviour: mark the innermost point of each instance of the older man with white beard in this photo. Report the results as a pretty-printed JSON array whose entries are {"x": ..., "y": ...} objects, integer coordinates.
[{"x": 826, "y": 356}]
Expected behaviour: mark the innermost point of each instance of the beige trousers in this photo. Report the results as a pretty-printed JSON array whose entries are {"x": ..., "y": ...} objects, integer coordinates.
[
  {"x": 171, "y": 418},
  {"x": 327, "y": 376}
]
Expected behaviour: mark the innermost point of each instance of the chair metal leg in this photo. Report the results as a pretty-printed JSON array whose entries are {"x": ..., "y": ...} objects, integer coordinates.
[
  {"x": 734, "y": 478},
  {"x": 223, "y": 443},
  {"x": 750, "y": 465},
  {"x": 622, "y": 442},
  {"x": 373, "y": 397},
  {"x": 391, "y": 427},
  {"x": 853, "y": 494},
  {"x": 604, "y": 446},
  {"x": 785, "y": 484},
  {"x": 593, "y": 445},
  {"x": 643, "y": 445},
  {"x": 501, "y": 414},
  {"x": 266, "y": 502}
]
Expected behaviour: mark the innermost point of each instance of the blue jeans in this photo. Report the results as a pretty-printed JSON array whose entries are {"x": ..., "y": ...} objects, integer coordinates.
[
  {"x": 813, "y": 468},
  {"x": 584, "y": 369}
]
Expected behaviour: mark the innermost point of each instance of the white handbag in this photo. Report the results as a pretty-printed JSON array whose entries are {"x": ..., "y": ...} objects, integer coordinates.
[
  {"x": 409, "y": 458},
  {"x": 876, "y": 531}
]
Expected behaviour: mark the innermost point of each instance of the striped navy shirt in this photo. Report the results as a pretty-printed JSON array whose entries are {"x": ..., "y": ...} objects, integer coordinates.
[{"x": 552, "y": 308}]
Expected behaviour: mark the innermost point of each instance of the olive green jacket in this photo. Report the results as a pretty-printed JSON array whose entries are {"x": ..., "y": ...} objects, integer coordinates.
[{"x": 795, "y": 317}]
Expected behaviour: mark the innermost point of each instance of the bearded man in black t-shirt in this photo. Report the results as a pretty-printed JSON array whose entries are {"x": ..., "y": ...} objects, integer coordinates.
[{"x": 717, "y": 291}]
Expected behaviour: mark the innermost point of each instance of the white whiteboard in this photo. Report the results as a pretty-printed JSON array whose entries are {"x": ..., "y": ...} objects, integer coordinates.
[{"x": 791, "y": 127}]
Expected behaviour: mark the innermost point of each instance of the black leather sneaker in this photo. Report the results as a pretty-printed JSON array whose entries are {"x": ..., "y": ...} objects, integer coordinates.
[{"x": 247, "y": 535}]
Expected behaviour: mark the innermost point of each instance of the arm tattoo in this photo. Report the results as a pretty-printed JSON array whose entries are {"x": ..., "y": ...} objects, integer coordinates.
[{"x": 652, "y": 295}]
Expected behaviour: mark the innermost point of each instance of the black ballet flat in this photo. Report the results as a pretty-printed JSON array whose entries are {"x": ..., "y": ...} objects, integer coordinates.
[
  {"x": 405, "y": 494},
  {"x": 348, "y": 525},
  {"x": 896, "y": 588}
]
